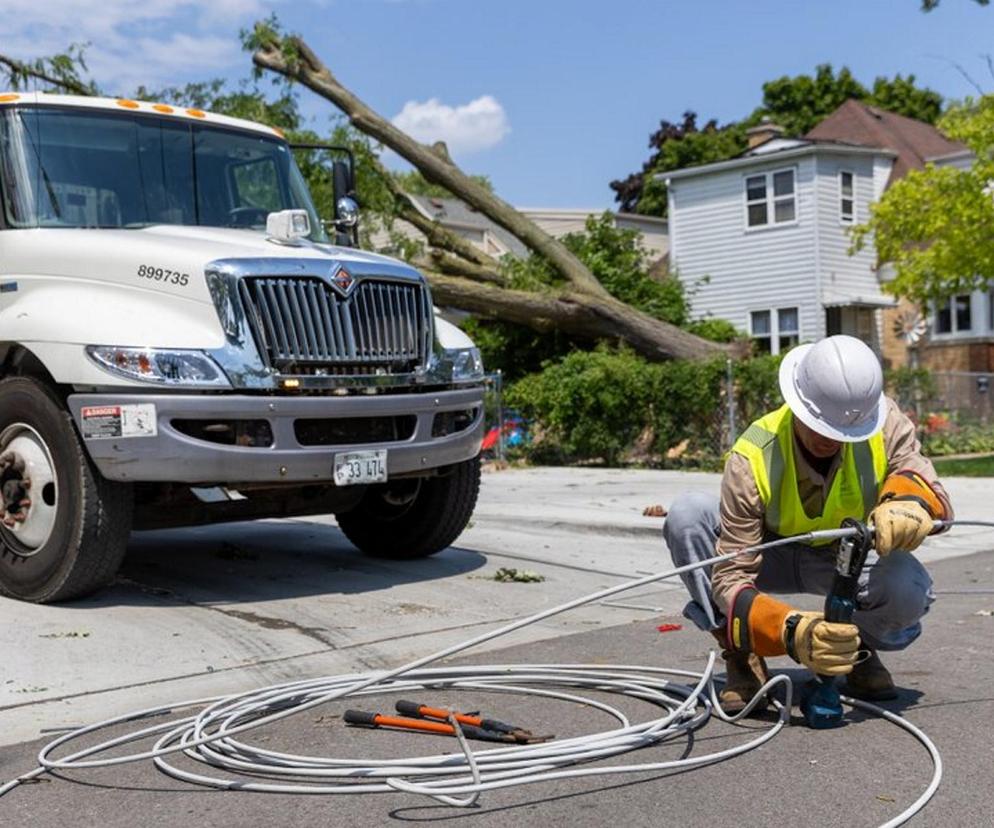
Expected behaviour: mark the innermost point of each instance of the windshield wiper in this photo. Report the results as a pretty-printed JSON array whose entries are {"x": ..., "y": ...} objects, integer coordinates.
[{"x": 51, "y": 193}]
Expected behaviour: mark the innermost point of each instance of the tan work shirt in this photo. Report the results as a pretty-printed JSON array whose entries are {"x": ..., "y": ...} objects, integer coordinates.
[{"x": 742, "y": 509}]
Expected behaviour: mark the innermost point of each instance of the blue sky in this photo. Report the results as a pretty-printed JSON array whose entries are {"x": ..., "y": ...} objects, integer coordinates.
[{"x": 551, "y": 99}]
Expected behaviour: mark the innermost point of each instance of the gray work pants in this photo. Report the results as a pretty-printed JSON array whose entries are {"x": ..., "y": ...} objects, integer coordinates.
[{"x": 895, "y": 590}]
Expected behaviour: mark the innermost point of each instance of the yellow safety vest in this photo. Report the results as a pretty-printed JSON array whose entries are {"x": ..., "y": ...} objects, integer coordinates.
[{"x": 768, "y": 445}]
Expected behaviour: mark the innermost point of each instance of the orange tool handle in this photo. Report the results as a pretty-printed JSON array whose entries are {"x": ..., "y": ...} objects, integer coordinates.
[
  {"x": 360, "y": 717},
  {"x": 415, "y": 709}
]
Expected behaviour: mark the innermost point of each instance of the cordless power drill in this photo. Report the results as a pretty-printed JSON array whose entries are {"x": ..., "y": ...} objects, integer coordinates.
[{"x": 821, "y": 703}]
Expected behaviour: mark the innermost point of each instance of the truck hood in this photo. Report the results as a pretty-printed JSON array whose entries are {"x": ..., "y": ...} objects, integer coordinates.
[
  {"x": 225, "y": 243},
  {"x": 144, "y": 286}
]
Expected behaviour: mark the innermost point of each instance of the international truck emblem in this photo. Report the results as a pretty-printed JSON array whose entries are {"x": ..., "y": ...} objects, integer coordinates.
[{"x": 343, "y": 280}]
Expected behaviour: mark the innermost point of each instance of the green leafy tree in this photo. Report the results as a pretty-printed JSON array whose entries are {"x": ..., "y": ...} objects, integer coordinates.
[
  {"x": 676, "y": 145},
  {"x": 935, "y": 225}
]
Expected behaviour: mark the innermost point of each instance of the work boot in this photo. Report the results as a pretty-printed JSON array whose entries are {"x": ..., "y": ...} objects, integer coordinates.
[
  {"x": 870, "y": 680},
  {"x": 745, "y": 673}
]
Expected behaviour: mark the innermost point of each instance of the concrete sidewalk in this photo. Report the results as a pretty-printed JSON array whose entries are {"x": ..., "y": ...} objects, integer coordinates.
[{"x": 860, "y": 775}]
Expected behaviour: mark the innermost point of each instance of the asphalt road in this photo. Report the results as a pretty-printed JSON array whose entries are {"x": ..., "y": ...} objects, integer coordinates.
[{"x": 209, "y": 611}]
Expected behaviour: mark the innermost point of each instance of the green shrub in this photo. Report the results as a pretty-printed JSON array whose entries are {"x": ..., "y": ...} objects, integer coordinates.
[
  {"x": 757, "y": 388},
  {"x": 598, "y": 405},
  {"x": 590, "y": 405},
  {"x": 717, "y": 330},
  {"x": 969, "y": 439}
]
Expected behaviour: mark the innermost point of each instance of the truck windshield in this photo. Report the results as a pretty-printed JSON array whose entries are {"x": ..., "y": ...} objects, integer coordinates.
[{"x": 67, "y": 167}]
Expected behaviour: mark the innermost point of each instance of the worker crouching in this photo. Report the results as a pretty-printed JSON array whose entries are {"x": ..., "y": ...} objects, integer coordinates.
[{"x": 837, "y": 449}]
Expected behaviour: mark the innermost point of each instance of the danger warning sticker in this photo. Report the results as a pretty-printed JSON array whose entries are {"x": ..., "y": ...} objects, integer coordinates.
[{"x": 105, "y": 421}]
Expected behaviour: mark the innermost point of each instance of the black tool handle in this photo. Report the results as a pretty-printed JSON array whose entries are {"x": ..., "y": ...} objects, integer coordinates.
[
  {"x": 484, "y": 735},
  {"x": 360, "y": 717},
  {"x": 498, "y": 726},
  {"x": 408, "y": 708}
]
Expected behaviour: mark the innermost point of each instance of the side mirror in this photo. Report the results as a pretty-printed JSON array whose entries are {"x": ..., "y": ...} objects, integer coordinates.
[
  {"x": 346, "y": 212},
  {"x": 346, "y": 209},
  {"x": 343, "y": 226}
]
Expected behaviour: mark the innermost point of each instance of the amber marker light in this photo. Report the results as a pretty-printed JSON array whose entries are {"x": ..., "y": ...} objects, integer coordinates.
[
  {"x": 196, "y": 113},
  {"x": 9, "y": 98},
  {"x": 127, "y": 104},
  {"x": 291, "y": 383},
  {"x": 162, "y": 108}
]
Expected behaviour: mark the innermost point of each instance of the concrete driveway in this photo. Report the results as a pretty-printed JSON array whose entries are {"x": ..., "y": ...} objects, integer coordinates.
[{"x": 214, "y": 610}]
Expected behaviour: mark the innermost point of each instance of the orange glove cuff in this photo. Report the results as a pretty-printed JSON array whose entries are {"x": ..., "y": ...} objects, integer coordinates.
[
  {"x": 755, "y": 623},
  {"x": 907, "y": 485}
]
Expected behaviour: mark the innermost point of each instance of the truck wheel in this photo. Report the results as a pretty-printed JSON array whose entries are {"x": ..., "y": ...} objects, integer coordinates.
[
  {"x": 63, "y": 527},
  {"x": 414, "y": 518}
]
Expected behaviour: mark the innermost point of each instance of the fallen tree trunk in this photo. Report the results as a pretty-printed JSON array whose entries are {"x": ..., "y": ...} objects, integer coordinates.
[
  {"x": 572, "y": 312},
  {"x": 464, "y": 277}
]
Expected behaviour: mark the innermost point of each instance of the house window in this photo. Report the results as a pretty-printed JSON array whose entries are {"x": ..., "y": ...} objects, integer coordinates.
[
  {"x": 774, "y": 331},
  {"x": 770, "y": 198},
  {"x": 955, "y": 315},
  {"x": 788, "y": 328},
  {"x": 847, "y": 210},
  {"x": 762, "y": 331}
]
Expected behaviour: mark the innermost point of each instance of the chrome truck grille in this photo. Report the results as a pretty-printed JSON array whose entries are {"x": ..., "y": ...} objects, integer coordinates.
[{"x": 303, "y": 325}]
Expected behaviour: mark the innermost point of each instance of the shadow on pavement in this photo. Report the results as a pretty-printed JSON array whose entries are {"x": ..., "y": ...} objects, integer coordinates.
[{"x": 260, "y": 561}]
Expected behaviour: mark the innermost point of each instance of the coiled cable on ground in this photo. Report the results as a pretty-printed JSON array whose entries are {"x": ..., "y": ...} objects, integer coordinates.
[{"x": 685, "y": 699}]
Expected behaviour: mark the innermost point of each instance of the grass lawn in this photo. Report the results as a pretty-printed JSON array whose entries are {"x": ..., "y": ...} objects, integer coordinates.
[{"x": 966, "y": 466}]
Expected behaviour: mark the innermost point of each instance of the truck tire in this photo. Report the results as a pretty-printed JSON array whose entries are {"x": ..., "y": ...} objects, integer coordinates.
[
  {"x": 71, "y": 538},
  {"x": 414, "y": 518}
]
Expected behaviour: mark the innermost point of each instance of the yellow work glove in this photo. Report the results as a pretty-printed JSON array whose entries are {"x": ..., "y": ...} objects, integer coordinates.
[
  {"x": 900, "y": 524},
  {"x": 824, "y": 647}
]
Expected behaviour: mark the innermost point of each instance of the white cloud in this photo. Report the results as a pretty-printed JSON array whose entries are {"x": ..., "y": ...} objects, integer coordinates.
[
  {"x": 153, "y": 42},
  {"x": 478, "y": 125}
]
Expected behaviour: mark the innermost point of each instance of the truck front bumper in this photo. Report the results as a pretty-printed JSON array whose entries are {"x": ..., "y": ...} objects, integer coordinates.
[{"x": 170, "y": 455}]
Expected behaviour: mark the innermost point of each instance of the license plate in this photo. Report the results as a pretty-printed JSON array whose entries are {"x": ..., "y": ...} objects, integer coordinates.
[{"x": 360, "y": 467}]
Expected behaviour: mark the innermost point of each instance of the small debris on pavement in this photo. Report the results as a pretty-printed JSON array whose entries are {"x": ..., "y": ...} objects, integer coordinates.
[
  {"x": 518, "y": 576},
  {"x": 988, "y": 613},
  {"x": 656, "y": 510},
  {"x": 69, "y": 634},
  {"x": 665, "y": 628}
]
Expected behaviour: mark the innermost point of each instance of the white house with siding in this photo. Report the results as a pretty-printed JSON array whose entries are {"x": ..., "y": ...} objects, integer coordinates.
[{"x": 762, "y": 240}]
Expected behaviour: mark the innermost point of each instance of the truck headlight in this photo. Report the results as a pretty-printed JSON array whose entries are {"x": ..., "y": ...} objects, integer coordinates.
[
  {"x": 160, "y": 366},
  {"x": 467, "y": 364}
]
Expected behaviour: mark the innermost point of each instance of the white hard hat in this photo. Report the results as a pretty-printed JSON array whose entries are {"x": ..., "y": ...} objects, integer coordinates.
[{"x": 835, "y": 387}]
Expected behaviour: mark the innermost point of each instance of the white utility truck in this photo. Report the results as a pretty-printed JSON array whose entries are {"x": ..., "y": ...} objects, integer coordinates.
[{"x": 181, "y": 344}]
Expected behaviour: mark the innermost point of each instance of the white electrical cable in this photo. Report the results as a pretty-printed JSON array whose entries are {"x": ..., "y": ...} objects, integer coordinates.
[{"x": 207, "y": 737}]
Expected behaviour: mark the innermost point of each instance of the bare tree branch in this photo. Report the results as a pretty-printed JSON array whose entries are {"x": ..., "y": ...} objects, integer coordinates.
[{"x": 454, "y": 266}]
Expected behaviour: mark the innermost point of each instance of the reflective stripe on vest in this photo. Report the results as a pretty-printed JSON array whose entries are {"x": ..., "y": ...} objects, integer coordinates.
[{"x": 768, "y": 445}]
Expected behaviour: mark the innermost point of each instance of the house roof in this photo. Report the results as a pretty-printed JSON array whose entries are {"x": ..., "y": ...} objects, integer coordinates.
[
  {"x": 854, "y": 128},
  {"x": 452, "y": 212},
  {"x": 801, "y": 147},
  {"x": 914, "y": 142}
]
